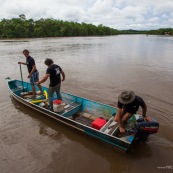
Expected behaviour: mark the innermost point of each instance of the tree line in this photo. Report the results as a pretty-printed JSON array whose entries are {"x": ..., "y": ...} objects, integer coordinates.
[
  {"x": 23, "y": 28},
  {"x": 161, "y": 31}
]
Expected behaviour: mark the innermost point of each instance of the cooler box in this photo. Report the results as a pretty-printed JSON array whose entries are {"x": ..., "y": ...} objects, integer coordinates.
[{"x": 98, "y": 123}]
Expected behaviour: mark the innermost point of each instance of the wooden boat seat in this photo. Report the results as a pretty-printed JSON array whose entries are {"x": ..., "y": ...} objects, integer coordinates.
[
  {"x": 87, "y": 115},
  {"x": 84, "y": 120}
]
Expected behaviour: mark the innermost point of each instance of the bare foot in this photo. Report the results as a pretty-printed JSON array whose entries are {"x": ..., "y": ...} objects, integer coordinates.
[
  {"x": 122, "y": 129},
  {"x": 40, "y": 93},
  {"x": 32, "y": 96}
]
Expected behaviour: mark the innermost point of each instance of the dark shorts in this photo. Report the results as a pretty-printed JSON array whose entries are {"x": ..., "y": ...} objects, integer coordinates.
[{"x": 34, "y": 78}]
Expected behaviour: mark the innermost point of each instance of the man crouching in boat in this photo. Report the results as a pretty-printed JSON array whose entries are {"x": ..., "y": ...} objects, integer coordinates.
[
  {"x": 128, "y": 105},
  {"x": 33, "y": 72},
  {"x": 53, "y": 72}
]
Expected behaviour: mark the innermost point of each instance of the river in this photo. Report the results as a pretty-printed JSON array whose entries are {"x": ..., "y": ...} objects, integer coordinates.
[{"x": 97, "y": 68}]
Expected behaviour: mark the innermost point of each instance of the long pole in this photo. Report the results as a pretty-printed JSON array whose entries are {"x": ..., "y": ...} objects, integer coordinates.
[{"x": 21, "y": 76}]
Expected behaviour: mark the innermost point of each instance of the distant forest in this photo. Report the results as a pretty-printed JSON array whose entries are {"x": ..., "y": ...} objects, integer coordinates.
[{"x": 23, "y": 28}]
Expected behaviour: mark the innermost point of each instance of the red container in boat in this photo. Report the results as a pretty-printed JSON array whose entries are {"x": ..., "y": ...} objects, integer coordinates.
[
  {"x": 57, "y": 106},
  {"x": 57, "y": 102},
  {"x": 98, "y": 123}
]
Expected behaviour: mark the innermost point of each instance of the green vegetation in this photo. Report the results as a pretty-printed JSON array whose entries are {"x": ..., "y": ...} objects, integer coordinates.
[
  {"x": 161, "y": 31},
  {"x": 130, "y": 31},
  {"x": 23, "y": 28}
]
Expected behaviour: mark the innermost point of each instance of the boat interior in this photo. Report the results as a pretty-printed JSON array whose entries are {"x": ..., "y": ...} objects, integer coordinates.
[{"x": 83, "y": 111}]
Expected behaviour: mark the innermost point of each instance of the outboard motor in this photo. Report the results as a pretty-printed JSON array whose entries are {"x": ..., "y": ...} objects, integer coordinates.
[{"x": 145, "y": 128}]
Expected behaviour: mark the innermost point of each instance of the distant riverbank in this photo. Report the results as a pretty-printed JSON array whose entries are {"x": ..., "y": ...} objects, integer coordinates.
[{"x": 28, "y": 28}]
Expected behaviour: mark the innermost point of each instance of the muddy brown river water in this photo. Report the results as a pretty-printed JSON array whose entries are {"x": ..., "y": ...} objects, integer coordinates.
[{"x": 97, "y": 68}]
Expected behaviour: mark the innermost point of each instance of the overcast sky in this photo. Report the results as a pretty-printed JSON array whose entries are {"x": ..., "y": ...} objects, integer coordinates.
[{"x": 118, "y": 14}]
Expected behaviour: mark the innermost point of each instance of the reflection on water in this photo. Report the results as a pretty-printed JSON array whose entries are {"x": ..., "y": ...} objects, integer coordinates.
[{"x": 97, "y": 68}]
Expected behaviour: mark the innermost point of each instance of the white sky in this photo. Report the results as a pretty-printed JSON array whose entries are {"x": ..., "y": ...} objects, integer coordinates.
[{"x": 118, "y": 14}]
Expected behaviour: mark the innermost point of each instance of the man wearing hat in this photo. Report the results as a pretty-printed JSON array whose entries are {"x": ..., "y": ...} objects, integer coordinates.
[{"x": 128, "y": 104}]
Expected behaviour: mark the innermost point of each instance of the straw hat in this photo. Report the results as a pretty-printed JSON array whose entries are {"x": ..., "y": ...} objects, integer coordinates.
[{"x": 126, "y": 97}]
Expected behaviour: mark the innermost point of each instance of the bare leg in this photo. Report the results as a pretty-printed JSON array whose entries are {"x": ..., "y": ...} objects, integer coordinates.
[
  {"x": 40, "y": 87},
  {"x": 121, "y": 116},
  {"x": 33, "y": 90},
  {"x": 126, "y": 117}
]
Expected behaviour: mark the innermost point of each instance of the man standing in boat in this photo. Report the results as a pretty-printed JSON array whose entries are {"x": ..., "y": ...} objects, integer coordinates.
[
  {"x": 128, "y": 105},
  {"x": 33, "y": 72},
  {"x": 53, "y": 72}
]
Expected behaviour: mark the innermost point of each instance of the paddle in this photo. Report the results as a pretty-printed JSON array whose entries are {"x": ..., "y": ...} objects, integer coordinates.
[{"x": 21, "y": 76}]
